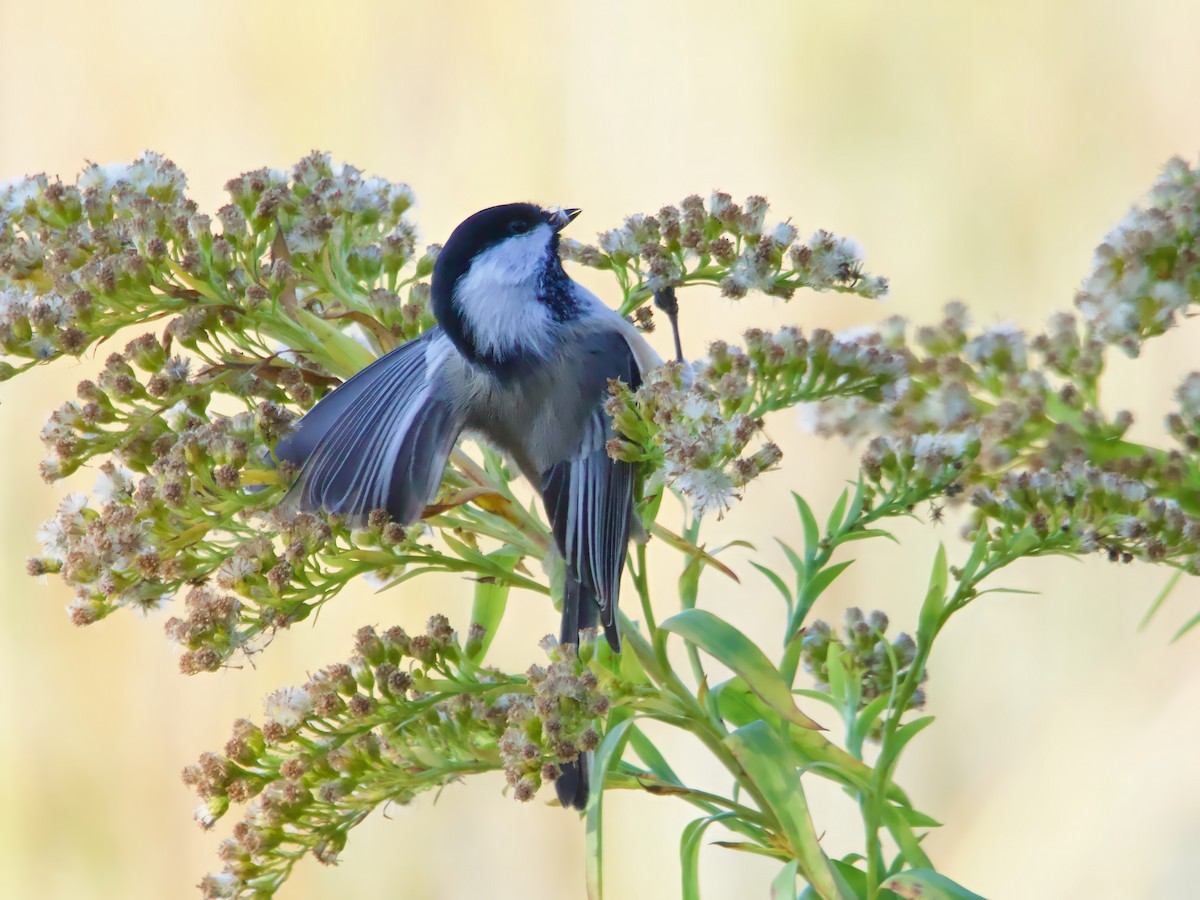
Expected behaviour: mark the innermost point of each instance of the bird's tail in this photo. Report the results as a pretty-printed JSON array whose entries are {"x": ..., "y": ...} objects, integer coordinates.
[{"x": 580, "y": 609}]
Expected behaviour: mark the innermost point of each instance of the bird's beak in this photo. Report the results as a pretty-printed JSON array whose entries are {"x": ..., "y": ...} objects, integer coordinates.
[{"x": 560, "y": 218}]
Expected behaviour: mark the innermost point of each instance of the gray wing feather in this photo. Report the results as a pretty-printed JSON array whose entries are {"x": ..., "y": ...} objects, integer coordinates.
[
  {"x": 589, "y": 499},
  {"x": 381, "y": 439}
]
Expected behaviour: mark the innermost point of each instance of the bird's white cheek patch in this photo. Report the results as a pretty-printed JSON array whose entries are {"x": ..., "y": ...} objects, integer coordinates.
[{"x": 498, "y": 296}]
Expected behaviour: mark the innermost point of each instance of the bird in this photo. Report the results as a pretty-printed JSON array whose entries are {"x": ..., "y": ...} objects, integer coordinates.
[{"x": 521, "y": 356}]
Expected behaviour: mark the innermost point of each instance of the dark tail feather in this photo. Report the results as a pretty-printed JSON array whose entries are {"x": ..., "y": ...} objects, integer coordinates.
[
  {"x": 572, "y": 784},
  {"x": 580, "y": 609}
]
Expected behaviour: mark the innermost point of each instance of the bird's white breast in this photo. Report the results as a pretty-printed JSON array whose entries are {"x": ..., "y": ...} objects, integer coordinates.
[{"x": 498, "y": 300}]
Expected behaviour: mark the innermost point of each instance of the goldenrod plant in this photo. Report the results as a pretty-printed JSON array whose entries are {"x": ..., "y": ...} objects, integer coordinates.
[{"x": 234, "y": 326}]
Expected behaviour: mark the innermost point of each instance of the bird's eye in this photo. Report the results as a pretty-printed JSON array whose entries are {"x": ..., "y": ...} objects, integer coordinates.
[{"x": 518, "y": 226}]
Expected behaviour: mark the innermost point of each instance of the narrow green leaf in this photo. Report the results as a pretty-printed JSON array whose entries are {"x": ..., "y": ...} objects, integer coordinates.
[
  {"x": 857, "y": 503},
  {"x": 465, "y": 551},
  {"x": 819, "y": 696},
  {"x": 839, "y": 678},
  {"x": 491, "y": 599},
  {"x": 927, "y": 884},
  {"x": 812, "y": 537},
  {"x": 650, "y": 507},
  {"x": 606, "y": 754},
  {"x": 756, "y": 849},
  {"x": 861, "y": 534},
  {"x": 869, "y": 713},
  {"x": 725, "y": 643},
  {"x": 738, "y": 705},
  {"x": 904, "y": 734},
  {"x": 915, "y": 818},
  {"x": 834, "y": 522},
  {"x": 798, "y": 565},
  {"x": 854, "y": 878},
  {"x": 906, "y": 840},
  {"x": 777, "y": 581},
  {"x": 689, "y": 854},
  {"x": 628, "y": 666},
  {"x": 768, "y": 760},
  {"x": 649, "y": 754},
  {"x": 930, "y": 617},
  {"x": 1161, "y": 598},
  {"x": 1026, "y": 539},
  {"x": 783, "y": 885},
  {"x": 1187, "y": 626},
  {"x": 642, "y": 649},
  {"x": 347, "y": 355},
  {"x": 1004, "y": 590},
  {"x": 823, "y": 579},
  {"x": 975, "y": 560}
]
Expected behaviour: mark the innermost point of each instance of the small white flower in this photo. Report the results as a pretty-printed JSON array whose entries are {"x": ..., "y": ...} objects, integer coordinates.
[
  {"x": 288, "y": 706},
  {"x": 102, "y": 178},
  {"x": 53, "y": 538},
  {"x": 178, "y": 416},
  {"x": 220, "y": 885},
  {"x": 784, "y": 234},
  {"x": 16, "y": 192},
  {"x": 113, "y": 482},
  {"x": 235, "y": 569},
  {"x": 205, "y": 818},
  {"x": 708, "y": 489}
]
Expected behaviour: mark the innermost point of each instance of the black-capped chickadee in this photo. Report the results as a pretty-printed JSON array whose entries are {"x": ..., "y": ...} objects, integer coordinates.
[{"x": 522, "y": 355}]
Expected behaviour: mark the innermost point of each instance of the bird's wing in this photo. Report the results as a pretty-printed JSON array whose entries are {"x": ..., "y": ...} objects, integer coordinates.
[
  {"x": 589, "y": 499},
  {"x": 381, "y": 439}
]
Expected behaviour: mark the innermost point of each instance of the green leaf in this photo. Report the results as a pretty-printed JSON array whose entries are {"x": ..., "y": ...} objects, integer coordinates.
[
  {"x": 864, "y": 533},
  {"x": 627, "y": 666},
  {"x": 903, "y": 735},
  {"x": 834, "y": 522},
  {"x": 1004, "y": 590},
  {"x": 491, "y": 599},
  {"x": 1187, "y": 626},
  {"x": 839, "y": 678},
  {"x": 650, "y": 507},
  {"x": 819, "y": 696},
  {"x": 798, "y": 565},
  {"x": 689, "y": 853},
  {"x": 869, "y": 713},
  {"x": 739, "y": 705},
  {"x": 853, "y": 877},
  {"x": 1160, "y": 599},
  {"x": 915, "y": 818},
  {"x": 856, "y": 505},
  {"x": 345, "y": 355},
  {"x": 902, "y": 833},
  {"x": 642, "y": 649},
  {"x": 779, "y": 583},
  {"x": 648, "y": 753},
  {"x": 769, "y": 763},
  {"x": 927, "y": 884},
  {"x": 812, "y": 537},
  {"x": 975, "y": 560},
  {"x": 748, "y": 847},
  {"x": 783, "y": 885},
  {"x": 930, "y": 618},
  {"x": 823, "y": 579},
  {"x": 607, "y": 753},
  {"x": 725, "y": 643},
  {"x": 811, "y": 591}
]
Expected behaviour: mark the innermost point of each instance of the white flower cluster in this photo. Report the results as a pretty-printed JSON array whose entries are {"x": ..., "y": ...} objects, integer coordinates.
[{"x": 1147, "y": 270}]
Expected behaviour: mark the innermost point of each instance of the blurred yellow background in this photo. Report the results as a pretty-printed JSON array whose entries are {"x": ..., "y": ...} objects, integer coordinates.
[{"x": 975, "y": 150}]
